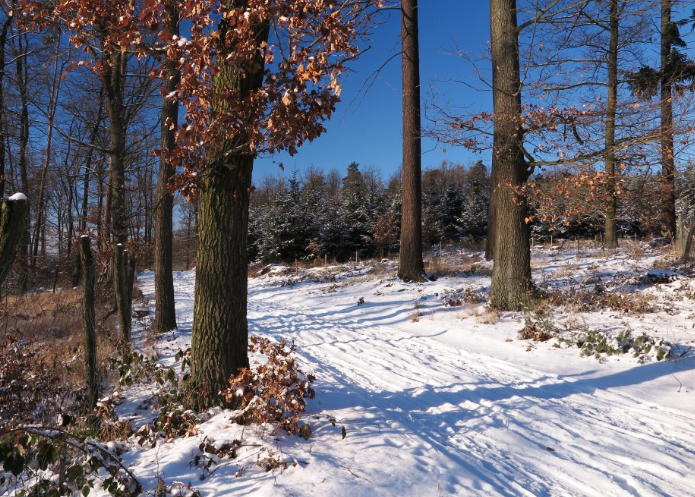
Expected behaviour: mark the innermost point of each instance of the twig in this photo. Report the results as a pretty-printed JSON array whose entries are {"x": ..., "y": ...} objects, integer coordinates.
[{"x": 679, "y": 382}]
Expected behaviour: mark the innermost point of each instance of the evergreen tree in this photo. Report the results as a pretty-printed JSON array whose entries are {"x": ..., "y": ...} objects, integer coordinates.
[{"x": 474, "y": 216}]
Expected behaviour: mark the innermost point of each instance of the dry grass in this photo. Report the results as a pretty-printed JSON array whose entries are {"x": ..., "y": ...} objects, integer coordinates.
[
  {"x": 47, "y": 328},
  {"x": 592, "y": 300},
  {"x": 456, "y": 265}
]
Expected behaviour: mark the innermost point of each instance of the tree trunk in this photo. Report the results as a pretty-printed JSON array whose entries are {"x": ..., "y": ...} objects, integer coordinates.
[
  {"x": 220, "y": 332},
  {"x": 611, "y": 238},
  {"x": 3, "y": 114},
  {"x": 511, "y": 276},
  {"x": 219, "y": 344},
  {"x": 12, "y": 215},
  {"x": 685, "y": 238},
  {"x": 114, "y": 80},
  {"x": 88, "y": 323},
  {"x": 411, "y": 267},
  {"x": 165, "y": 312},
  {"x": 22, "y": 82},
  {"x": 668, "y": 167},
  {"x": 123, "y": 288}
]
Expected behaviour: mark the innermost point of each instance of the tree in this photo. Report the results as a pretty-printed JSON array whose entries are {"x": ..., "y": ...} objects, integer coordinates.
[
  {"x": 511, "y": 276},
  {"x": 669, "y": 36},
  {"x": 675, "y": 75},
  {"x": 411, "y": 267},
  {"x": 476, "y": 201},
  {"x": 239, "y": 102},
  {"x": 8, "y": 16},
  {"x": 105, "y": 31},
  {"x": 165, "y": 312},
  {"x": 610, "y": 233}
]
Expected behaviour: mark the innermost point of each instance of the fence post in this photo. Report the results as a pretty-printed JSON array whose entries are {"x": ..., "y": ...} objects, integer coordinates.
[{"x": 88, "y": 322}]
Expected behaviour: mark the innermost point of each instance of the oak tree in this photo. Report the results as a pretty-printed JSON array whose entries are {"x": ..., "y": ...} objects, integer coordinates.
[{"x": 257, "y": 77}]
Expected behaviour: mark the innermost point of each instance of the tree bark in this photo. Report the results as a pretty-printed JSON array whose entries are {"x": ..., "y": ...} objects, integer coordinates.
[
  {"x": 88, "y": 323},
  {"x": 124, "y": 274},
  {"x": 668, "y": 167},
  {"x": 22, "y": 83},
  {"x": 511, "y": 276},
  {"x": 411, "y": 267},
  {"x": 610, "y": 233},
  {"x": 165, "y": 312},
  {"x": 220, "y": 330},
  {"x": 114, "y": 80},
  {"x": 687, "y": 239},
  {"x": 12, "y": 215},
  {"x": 3, "y": 124}
]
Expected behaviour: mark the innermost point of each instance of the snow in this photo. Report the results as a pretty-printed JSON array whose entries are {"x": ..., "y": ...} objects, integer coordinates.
[
  {"x": 17, "y": 196},
  {"x": 452, "y": 403}
]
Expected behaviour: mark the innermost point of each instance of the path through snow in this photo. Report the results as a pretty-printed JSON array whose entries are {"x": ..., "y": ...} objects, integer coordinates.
[{"x": 430, "y": 410}]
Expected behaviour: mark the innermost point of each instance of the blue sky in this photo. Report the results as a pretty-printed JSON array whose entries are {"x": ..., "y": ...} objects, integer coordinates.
[{"x": 367, "y": 129}]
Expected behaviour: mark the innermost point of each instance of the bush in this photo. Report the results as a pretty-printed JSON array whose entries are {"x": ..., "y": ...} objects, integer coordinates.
[
  {"x": 275, "y": 392},
  {"x": 598, "y": 344}
]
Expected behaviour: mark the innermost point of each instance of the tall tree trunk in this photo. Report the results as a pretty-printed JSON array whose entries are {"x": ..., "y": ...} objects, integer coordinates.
[
  {"x": 668, "y": 167},
  {"x": 511, "y": 276},
  {"x": 3, "y": 114},
  {"x": 114, "y": 80},
  {"x": 610, "y": 233},
  {"x": 220, "y": 329},
  {"x": 22, "y": 83},
  {"x": 88, "y": 322},
  {"x": 165, "y": 312},
  {"x": 411, "y": 267}
]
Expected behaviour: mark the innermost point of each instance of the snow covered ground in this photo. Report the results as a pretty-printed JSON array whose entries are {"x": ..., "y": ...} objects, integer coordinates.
[{"x": 440, "y": 400}]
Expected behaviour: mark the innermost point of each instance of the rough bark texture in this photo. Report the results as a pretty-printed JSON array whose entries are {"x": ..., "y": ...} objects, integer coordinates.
[
  {"x": 411, "y": 267},
  {"x": 511, "y": 276},
  {"x": 88, "y": 323},
  {"x": 220, "y": 330},
  {"x": 610, "y": 233},
  {"x": 668, "y": 168},
  {"x": 219, "y": 344},
  {"x": 12, "y": 215},
  {"x": 114, "y": 79},
  {"x": 165, "y": 312},
  {"x": 124, "y": 274}
]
